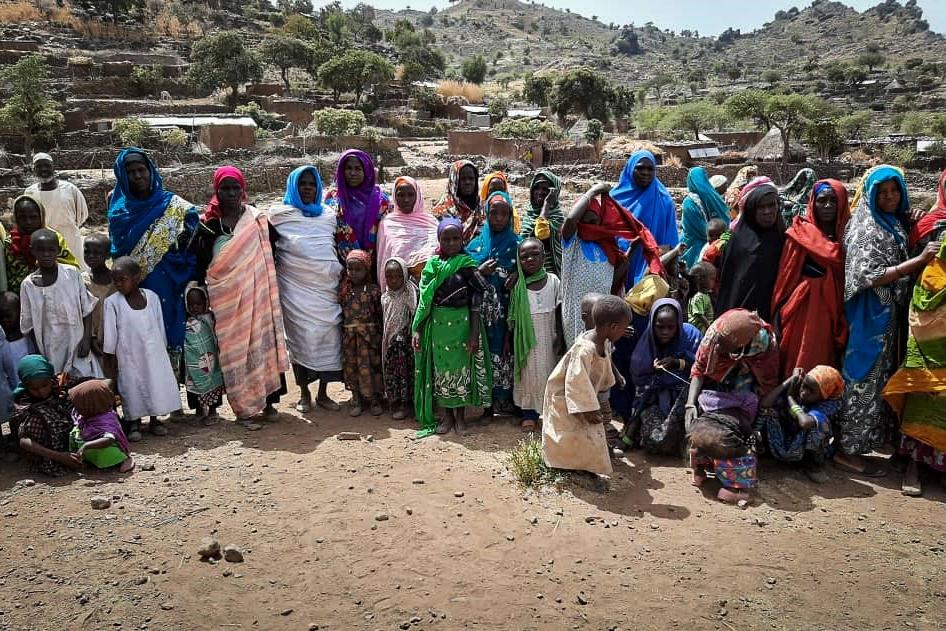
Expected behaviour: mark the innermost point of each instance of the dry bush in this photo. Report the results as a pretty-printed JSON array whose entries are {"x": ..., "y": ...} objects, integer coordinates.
[
  {"x": 170, "y": 25},
  {"x": 470, "y": 91},
  {"x": 14, "y": 12}
]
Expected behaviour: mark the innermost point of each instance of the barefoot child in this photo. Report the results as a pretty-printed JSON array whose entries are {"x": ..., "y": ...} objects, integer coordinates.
[
  {"x": 97, "y": 437},
  {"x": 573, "y": 433},
  {"x": 535, "y": 319},
  {"x": 134, "y": 334},
  {"x": 453, "y": 369},
  {"x": 398, "y": 304},
  {"x": 57, "y": 309},
  {"x": 361, "y": 336},
  {"x": 203, "y": 379},
  {"x": 98, "y": 280}
]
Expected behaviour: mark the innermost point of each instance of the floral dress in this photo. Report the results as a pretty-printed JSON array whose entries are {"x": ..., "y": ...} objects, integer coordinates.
[{"x": 361, "y": 340}]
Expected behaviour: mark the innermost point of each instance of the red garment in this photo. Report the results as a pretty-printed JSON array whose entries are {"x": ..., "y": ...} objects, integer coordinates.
[
  {"x": 616, "y": 221},
  {"x": 20, "y": 247},
  {"x": 735, "y": 329},
  {"x": 930, "y": 220},
  {"x": 809, "y": 312},
  {"x": 213, "y": 206}
]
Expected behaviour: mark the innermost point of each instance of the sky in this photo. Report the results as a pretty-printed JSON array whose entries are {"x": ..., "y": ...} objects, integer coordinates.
[{"x": 709, "y": 18}]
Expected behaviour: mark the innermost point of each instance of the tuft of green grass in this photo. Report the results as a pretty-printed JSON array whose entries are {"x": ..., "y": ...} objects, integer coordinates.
[{"x": 527, "y": 464}]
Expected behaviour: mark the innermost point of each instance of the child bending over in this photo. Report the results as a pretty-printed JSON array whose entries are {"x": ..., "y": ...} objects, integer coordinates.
[
  {"x": 97, "y": 437},
  {"x": 361, "y": 336},
  {"x": 398, "y": 304}
]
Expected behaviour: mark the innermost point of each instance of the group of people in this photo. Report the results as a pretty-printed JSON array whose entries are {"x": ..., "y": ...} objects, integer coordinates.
[{"x": 760, "y": 321}]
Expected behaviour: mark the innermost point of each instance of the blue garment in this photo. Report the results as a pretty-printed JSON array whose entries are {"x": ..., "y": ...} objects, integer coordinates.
[
  {"x": 8, "y": 381},
  {"x": 652, "y": 206},
  {"x": 129, "y": 219},
  {"x": 868, "y": 317},
  {"x": 661, "y": 387},
  {"x": 787, "y": 441},
  {"x": 696, "y": 218},
  {"x": 292, "y": 198},
  {"x": 622, "y": 399}
]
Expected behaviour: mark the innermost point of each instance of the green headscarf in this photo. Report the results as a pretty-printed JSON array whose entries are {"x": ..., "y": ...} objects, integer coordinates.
[
  {"x": 32, "y": 367},
  {"x": 520, "y": 316},
  {"x": 555, "y": 216}
]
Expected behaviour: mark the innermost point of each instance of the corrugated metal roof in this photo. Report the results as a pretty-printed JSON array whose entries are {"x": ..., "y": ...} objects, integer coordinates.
[{"x": 198, "y": 121}]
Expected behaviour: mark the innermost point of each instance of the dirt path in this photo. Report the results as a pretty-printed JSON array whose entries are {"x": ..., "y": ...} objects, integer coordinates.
[{"x": 374, "y": 534}]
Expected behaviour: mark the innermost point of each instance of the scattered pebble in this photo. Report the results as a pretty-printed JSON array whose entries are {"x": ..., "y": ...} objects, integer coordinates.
[
  {"x": 417, "y": 481},
  {"x": 348, "y": 436},
  {"x": 285, "y": 612},
  {"x": 100, "y": 502},
  {"x": 581, "y": 598},
  {"x": 458, "y": 494},
  {"x": 233, "y": 554},
  {"x": 209, "y": 548},
  {"x": 381, "y": 517},
  {"x": 409, "y": 510},
  {"x": 146, "y": 466}
]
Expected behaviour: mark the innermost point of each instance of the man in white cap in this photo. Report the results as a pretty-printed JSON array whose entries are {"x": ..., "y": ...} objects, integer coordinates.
[
  {"x": 719, "y": 182},
  {"x": 65, "y": 205}
]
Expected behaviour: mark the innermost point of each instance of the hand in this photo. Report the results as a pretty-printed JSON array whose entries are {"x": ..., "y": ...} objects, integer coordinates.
[
  {"x": 599, "y": 188},
  {"x": 690, "y": 414},
  {"x": 551, "y": 200},
  {"x": 488, "y": 268},
  {"x": 415, "y": 342},
  {"x": 97, "y": 347},
  {"x": 667, "y": 363},
  {"x": 629, "y": 332},
  {"x": 930, "y": 251},
  {"x": 916, "y": 214},
  {"x": 619, "y": 380},
  {"x": 82, "y": 350},
  {"x": 681, "y": 247},
  {"x": 77, "y": 456},
  {"x": 511, "y": 280},
  {"x": 473, "y": 344}
]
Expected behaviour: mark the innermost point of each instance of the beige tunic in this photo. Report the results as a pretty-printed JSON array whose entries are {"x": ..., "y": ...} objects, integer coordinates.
[{"x": 569, "y": 441}]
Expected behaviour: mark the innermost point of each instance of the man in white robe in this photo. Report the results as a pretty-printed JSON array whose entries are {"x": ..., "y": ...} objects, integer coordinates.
[{"x": 65, "y": 205}]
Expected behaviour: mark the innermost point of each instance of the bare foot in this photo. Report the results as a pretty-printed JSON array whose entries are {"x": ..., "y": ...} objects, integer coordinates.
[
  {"x": 376, "y": 409},
  {"x": 732, "y": 497},
  {"x": 445, "y": 426},
  {"x": 327, "y": 404},
  {"x": 460, "y": 427},
  {"x": 127, "y": 465},
  {"x": 912, "y": 486},
  {"x": 698, "y": 478},
  {"x": 859, "y": 465},
  {"x": 249, "y": 424},
  {"x": 399, "y": 414}
]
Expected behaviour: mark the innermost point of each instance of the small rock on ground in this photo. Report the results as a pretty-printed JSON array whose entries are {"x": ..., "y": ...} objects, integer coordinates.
[
  {"x": 100, "y": 502},
  {"x": 209, "y": 548},
  {"x": 233, "y": 554}
]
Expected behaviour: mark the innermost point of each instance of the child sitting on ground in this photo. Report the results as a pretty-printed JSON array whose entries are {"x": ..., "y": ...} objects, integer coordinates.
[
  {"x": 535, "y": 320},
  {"x": 134, "y": 334},
  {"x": 203, "y": 379},
  {"x": 573, "y": 434},
  {"x": 398, "y": 304},
  {"x": 700, "y": 308},
  {"x": 57, "y": 309},
  {"x": 97, "y": 437},
  {"x": 361, "y": 336},
  {"x": 98, "y": 280}
]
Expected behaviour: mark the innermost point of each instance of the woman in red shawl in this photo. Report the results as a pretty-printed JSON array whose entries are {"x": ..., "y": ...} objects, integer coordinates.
[
  {"x": 808, "y": 301},
  {"x": 933, "y": 219}
]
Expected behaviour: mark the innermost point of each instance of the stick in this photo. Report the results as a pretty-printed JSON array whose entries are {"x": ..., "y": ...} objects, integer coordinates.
[
  {"x": 673, "y": 375},
  {"x": 174, "y": 518},
  {"x": 134, "y": 543}
]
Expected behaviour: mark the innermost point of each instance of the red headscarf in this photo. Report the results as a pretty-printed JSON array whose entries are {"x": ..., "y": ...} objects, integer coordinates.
[
  {"x": 213, "y": 207},
  {"x": 616, "y": 221},
  {"x": 809, "y": 313},
  {"x": 930, "y": 220}
]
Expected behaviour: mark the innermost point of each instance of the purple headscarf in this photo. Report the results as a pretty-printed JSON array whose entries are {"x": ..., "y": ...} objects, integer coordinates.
[{"x": 360, "y": 206}]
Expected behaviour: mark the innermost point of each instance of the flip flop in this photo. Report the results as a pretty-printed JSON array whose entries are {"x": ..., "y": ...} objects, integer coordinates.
[
  {"x": 871, "y": 469},
  {"x": 329, "y": 405},
  {"x": 303, "y": 407}
]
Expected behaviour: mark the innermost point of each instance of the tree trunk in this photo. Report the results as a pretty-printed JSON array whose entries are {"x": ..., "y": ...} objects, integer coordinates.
[
  {"x": 285, "y": 80},
  {"x": 785, "y": 147},
  {"x": 234, "y": 95}
]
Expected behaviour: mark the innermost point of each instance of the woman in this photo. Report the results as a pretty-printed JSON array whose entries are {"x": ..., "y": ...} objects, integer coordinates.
[
  {"x": 736, "y": 364},
  {"x": 156, "y": 228},
  {"x": 745, "y": 175},
  {"x": 808, "y": 299},
  {"x": 494, "y": 250},
  {"x": 916, "y": 392},
  {"x": 309, "y": 274},
  {"x": 18, "y": 262},
  {"x": 543, "y": 219},
  {"x": 449, "y": 340},
  {"x": 660, "y": 365},
  {"x": 408, "y": 231},
  {"x": 876, "y": 289},
  {"x": 358, "y": 202},
  {"x": 644, "y": 196},
  {"x": 43, "y": 418},
  {"x": 749, "y": 265},
  {"x": 701, "y": 204},
  {"x": 461, "y": 199},
  {"x": 237, "y": 243},
  {"x": 795, "y": 195}
]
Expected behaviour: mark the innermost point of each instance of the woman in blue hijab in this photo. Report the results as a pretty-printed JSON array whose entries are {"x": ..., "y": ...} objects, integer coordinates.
[
  {"x": 155, "y": 227},
  {"x": 701, "y": 205},
  {"x": 642, "y": 194},
  {"x": 876, "y": 291}
]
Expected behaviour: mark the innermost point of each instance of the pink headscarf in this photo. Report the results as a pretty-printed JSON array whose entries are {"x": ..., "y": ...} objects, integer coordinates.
[
  {"x": 411, "y": 236},
  {"x": 213, "y": 206}
]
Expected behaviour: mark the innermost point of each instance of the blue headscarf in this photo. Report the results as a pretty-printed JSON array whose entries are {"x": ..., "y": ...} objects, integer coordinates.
[
  {"x": 292, "y": 197},
  {"x": 866, "y": 315},
  {"x": 500, "y": 246},
  {"x": 696, "y": 218},
  {"x": 652, "y": 206},
  {"x": 129, "y": 217}
]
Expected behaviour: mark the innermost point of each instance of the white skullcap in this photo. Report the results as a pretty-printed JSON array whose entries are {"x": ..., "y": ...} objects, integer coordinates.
[{"x": 42, "y": 156}]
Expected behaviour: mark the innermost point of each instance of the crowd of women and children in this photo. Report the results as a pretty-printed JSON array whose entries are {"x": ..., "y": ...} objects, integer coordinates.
[{"x": 792, "y": 322}]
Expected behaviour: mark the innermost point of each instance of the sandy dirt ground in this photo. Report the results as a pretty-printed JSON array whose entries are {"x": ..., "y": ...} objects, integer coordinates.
[{"x": 391, "y": 533}]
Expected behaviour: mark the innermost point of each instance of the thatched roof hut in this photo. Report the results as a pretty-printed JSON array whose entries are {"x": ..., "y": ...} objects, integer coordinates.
[{"x": 771, "y": 149}]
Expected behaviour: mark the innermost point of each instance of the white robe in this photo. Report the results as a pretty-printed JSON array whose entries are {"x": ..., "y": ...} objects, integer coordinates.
[
  {"x": 54, "y": 315},
  {"x": 66, "y": 211},
  {"x": 136, "y": 337},
  {"x": 308, "y": 273}
]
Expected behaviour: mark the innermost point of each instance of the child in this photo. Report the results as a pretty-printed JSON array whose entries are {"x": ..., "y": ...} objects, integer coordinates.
[
  {"x": 19, "y": 345},
  {"x": 203, "y": 378},
  {"x": 535, "y": 319},
  {"x": 573, "y": 434},
  {"x": 98, "y": 280},
  {"x": 97, "y": 437},
  {"x": 715, "y": 228},
  {"x": 700, "y": 307},
  {"x": 134, "y": 334},
  {"x": 362, "y": 335},
  {"x": 588, "y": 303},
  {"x": 398, "y": 304},
  {"x": 57, "y": 309},
  {"x": 453, "y": 368}
]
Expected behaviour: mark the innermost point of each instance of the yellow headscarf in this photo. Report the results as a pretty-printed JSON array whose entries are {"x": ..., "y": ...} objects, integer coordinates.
[
  {"x": 859, "y": 191},
  {"x": 484, "y": 193},
  {"x": 646, "y": 292}
]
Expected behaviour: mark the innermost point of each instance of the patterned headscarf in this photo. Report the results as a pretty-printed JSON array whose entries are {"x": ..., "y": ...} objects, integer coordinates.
[
  {"x": 743, "y": 177},
  {"x": 829, "y": 380},
  {"x": 361, "y": 256},
  {"x": 447, "y": 222},
  {"x": 754, "y": 191}
]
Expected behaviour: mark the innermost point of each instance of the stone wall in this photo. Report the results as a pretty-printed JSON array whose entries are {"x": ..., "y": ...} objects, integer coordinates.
[
  {"x": 121, "y": 108},
  {"x": 676, "y": 177},
  {"x": 464, "y": 143}
]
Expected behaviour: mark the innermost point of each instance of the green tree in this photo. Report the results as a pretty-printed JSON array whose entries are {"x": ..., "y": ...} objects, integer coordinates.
[
  {"x": 301, "y": 27},
  {"x": 474, "y": 69},
  {"x": 693, "y": 117},
  {"x": 286, "y": 53},
  {"x": 650, "y": 118},
  {"x": 825, "y": 136},
  {"x": 582, "y": 91},
  {"x": 538, "y": 88},
  {"x": 419, "y": 63},
  {"x": 855, "y": 124},
  {"x": 914, "y": 123},
  {"x": 659, "y": 82},
  {"x": 771, "y": 76},
  {"x": 498, "y": 108},
  {"x": 594, "y": 132},
  {"x": 29, "y": 111},
  {"x": 938, "y": 125},
  {"x": 222, "y": 61},
  {"x": 622, "y": 102},
  {"x": 789, "y": 113},
  {"x": 870, "y": 60},
  {"x": 355, "y": 71}
]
